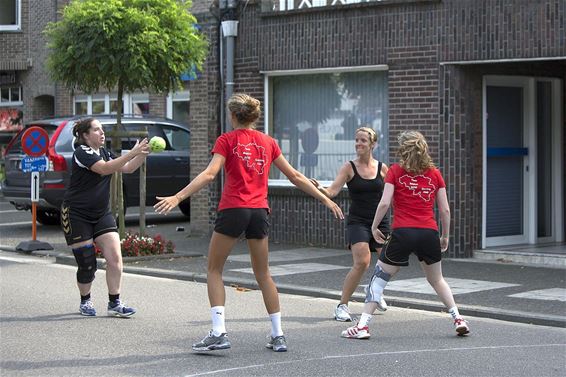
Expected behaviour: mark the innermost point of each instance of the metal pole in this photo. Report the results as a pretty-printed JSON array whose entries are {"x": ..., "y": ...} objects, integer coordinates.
[{"x": 230, "y": 31}]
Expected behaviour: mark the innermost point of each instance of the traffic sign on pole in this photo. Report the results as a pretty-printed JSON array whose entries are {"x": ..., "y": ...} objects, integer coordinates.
[{"x": 35, "y": 141}]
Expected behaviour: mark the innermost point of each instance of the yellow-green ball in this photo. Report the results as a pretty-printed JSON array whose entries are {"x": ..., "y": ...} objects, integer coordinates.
[{"x": 156, "y": 144}]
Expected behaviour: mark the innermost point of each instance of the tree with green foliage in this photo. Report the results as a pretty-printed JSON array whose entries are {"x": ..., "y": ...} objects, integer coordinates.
[{"x": 124, "y": 46}]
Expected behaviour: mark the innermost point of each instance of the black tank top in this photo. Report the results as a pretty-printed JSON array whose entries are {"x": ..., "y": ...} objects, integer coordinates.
[{"x": 365, "y": 195}]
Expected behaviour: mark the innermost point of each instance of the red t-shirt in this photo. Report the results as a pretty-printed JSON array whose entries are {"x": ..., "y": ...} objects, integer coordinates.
[
  {"x": 414, "y": 196},
  {"x": 248, "y": 154}
]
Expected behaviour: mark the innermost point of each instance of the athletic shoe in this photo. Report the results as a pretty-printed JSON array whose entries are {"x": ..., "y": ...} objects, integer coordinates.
[
  {"x": 381, "y": 304},
  {"x": 277, "y": 344},
  {"x": 213, "y": 343},
  {"x": 342, "y": 313},
  {"x": 86, "y": 308},
  {"x": 461, "y": 326},
  {"x": 118, "y": 309},
  {"x": 356, "y": 332}
]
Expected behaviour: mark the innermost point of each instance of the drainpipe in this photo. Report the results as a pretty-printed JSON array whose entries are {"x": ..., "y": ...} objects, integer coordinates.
[{"x": 230, "y": 32}]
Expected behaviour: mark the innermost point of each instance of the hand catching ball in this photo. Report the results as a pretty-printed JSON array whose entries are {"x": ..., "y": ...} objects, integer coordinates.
[{"x": 156, "y": 144}]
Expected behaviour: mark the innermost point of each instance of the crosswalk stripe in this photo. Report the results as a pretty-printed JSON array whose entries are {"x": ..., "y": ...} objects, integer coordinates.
[{"x": 551, "y": 294}]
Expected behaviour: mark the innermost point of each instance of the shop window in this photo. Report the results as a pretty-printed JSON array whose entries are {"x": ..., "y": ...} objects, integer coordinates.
[
  {"x": 11, "y": 96},
  {"x": 178, "y": 106},
  {"x": 10, "y": 15},
  {"x": 314, "y": 116}
]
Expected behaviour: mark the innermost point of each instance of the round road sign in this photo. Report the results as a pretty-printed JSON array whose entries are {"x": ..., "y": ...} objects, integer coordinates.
[{"x": 35, "y": 141}]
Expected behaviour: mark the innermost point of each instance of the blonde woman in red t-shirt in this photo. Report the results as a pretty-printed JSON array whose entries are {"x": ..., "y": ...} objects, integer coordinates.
[
  {"x": 246, "y": 155},
  {"x": 413, "y": 185}
]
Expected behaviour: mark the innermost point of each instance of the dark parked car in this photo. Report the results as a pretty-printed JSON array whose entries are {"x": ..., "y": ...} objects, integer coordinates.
[{"x": 167, "y": 171}]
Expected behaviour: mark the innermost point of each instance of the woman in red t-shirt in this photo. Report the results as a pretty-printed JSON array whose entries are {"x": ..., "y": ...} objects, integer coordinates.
[
  {"x": 246, "y": 155},
  {"x": 412, "y": 185}
]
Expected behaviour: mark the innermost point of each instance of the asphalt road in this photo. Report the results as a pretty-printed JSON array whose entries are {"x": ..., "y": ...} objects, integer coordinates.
[{"x": 42, "y": 334}]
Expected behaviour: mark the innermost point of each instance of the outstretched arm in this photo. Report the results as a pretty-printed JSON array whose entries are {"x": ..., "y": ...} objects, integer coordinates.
[
  {"x": 382, "y": 208},
  {"x": 444, "y": 211},
  {"x": 344, "y": 175},
  {"x": 138, "y": 152},
  {"x": 303, "y": 183},
  {"x": 166, "y": 203}
]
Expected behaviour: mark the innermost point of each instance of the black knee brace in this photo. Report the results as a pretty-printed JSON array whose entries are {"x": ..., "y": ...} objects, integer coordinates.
[{"x": 86, "y": 260}]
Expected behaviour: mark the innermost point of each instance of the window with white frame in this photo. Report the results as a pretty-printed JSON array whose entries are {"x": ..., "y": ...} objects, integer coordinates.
[
  {"x": 140, "y": 104},
  {"x": 313, "y": 115},
  {"x": 10, "y": 11},
  {"x": 133, "y": 104},
  {"x": 178, "y": 106},
  {"x": 11, "y": 96}
]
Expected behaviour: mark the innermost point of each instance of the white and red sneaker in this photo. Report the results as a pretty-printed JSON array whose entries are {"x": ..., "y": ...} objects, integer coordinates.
[
  {"x": 356, "y": 332},
  {"x": 461, "y": 326}
]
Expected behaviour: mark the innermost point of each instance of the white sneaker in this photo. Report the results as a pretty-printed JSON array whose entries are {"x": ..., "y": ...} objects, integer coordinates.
[
  {"x": 461, "y": 326},
  {"x": 356, "y": 332},
  {"x": 382, "y": 305},
  {"x": 342, "y": 313}
]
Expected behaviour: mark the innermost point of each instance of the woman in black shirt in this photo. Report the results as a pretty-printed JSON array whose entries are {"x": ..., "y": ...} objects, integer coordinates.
[
  {"x": 364, "y": 178},
  {"x": 85, "y": 215}
]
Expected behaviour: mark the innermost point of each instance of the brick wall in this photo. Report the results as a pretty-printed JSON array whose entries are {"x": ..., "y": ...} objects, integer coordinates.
[
  {"x": 441, "y": 100},
  {"x": 205, "y": 123}
]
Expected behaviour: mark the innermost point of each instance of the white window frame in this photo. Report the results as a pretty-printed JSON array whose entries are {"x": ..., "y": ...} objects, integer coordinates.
[
  {"x": 136, "y": 98},
  {"x": 181, "y": 96},
  {"x": 18, "y": 25},
  {"x": 10, "y": 102},
  {"x": 129, "y": 100},
  {"x": 268, "y": 90}
]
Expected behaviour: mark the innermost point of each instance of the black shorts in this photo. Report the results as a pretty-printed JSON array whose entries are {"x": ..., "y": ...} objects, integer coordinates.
[
  {"x": 424, "y": 243},
  {"x": 359, "y": 232},
  {"x": 78, "y": 229},
  {"x": 233, "y": 222}
]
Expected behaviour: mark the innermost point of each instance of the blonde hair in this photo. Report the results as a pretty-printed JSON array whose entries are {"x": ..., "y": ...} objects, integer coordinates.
[
  {"x": 245, "y": 108},
  {"x": 413, "y": 152},
  {"x": 370, "y": 131}
]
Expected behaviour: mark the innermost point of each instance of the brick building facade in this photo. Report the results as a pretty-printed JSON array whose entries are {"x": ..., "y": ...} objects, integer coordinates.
[
  {"x": 442, "y": 58},
  {"x": 440, "y": 66}
]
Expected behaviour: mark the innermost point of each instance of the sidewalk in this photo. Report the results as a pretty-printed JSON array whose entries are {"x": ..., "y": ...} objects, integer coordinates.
[{"x": 506, "y": 291}]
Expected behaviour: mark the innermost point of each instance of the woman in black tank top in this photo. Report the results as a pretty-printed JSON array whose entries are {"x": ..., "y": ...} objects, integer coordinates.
[{"x": 364, "y": 178}]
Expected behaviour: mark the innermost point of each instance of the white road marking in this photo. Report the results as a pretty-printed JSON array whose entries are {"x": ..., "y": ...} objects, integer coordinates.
[
  {"x": 458, "y": 286},
  {"x": 10, "y": 211},
  {"x": 17, "y": 223},
  {"x": 291, "y": 269},
  {"x": 456, "y": 349},
  {"x": 27, "y": 259},
  {"x": 551, "y": 294},
  {"x": 290, "y": 255}
]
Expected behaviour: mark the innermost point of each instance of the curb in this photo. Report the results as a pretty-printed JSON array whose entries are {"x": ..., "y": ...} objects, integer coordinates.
[{"x": 400, "y": 302}]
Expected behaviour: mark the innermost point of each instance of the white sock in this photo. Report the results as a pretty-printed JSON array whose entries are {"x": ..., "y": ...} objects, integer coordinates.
[
  {"x": 276, "y": 324},
  {"x": 218, "y": 326},
  {"x": 364, "y": 320},
  {"x": 454, "y": 313}
]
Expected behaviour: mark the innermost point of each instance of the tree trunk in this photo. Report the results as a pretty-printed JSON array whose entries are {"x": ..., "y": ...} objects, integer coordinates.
[
  {"x": 117, "y": 141},
  {"x": 142, "y": 195}
]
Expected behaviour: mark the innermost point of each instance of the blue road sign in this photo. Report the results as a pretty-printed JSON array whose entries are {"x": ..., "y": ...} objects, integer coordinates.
[{"x": 30, "y": 164}]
